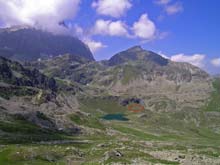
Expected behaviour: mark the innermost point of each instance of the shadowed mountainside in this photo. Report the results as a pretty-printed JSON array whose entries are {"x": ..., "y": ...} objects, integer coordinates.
[{"x": 29, "y": 44}]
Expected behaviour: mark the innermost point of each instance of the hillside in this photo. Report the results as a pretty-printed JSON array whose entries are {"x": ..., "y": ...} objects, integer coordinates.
[
  {"x": 145, "y": 75},
  {"x": 29, "y": 99},
  {"x": 136, "y": 73}
]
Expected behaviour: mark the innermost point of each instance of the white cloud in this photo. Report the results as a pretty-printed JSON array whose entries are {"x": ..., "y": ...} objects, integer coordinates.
[
  {"x": 87, "y": 39},
  {"x": 144, "y": 28},
  {"x": 44, "y": 14},
  {"x": 174, "y": 8},
  {"x": 170, "y": 7},
  {"x": 163, "y": 55},
  {"x": 117, "y": 28},
  {"x": 114, "y": 8},
  {"x": 162, "y": 2},
  {"x": 77, "y": 30},
  {"x": 216, "y": 62},
  {"x": 94, "y": 45},
  {"x": 196, "y": 59}
]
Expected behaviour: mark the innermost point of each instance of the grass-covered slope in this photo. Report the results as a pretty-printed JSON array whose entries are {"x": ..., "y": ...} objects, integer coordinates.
[
  {"x": 214, "y": 103},
  {"x": 148, "y": 137},
  {"x": 16, "y": 129}
]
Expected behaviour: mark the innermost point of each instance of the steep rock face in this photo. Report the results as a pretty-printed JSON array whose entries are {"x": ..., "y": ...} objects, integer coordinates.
[
  {"x": 70, "y": 67},
  {"x": 15, "y": 74},
  {"x": 28, "y": 44},
  {"x": 31, "y": 94}
]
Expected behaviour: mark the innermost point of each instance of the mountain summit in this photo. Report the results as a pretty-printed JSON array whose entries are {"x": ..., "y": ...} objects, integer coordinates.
[{"x": 136, "y": 53}]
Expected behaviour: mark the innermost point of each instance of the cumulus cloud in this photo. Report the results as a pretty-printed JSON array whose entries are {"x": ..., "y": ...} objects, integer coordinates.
[
  {"x": 77, "y": 29},
  {"x": 43, "y": 14},
  {"x": 216, "y": 62},
  {"x": 87, "y": 38},
  {"x": 174, "y": 8},
  {"x": 111, "y": 28},
  {"x": 144, "y": 28},
  {"x": 113, "y": 8},
  {"x": 195, "y": 59},
  {"x": 94, "y": 45}
]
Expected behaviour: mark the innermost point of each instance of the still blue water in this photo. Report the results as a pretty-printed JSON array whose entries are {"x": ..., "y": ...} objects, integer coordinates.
[{"x": 118, "y": 116}]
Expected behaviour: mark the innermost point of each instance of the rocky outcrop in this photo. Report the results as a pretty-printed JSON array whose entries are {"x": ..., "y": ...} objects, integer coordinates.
[
  {"x": 14, "y": 73},
  {"x": 73, "y": 68}
]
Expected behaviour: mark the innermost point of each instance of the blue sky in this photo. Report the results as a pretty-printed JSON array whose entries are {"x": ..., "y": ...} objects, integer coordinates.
[{"x": 182, "y": 30}]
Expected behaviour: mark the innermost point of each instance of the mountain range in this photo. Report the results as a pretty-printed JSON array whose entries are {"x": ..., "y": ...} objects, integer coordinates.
[{"x": 53, "y": 92}]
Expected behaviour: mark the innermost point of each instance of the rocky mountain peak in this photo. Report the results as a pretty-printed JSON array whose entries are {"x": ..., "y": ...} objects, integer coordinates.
[
  {"x": 136, "y": 48},
  {"x": 137, "y": 53}
]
